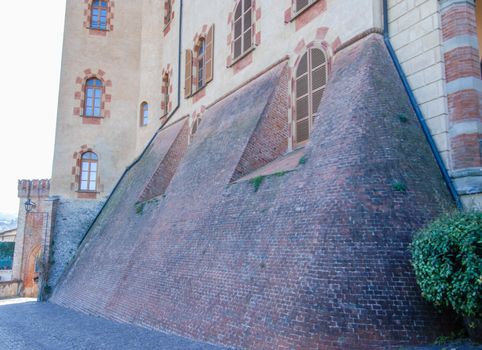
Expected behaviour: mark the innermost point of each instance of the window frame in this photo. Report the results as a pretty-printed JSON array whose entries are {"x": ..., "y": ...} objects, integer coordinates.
[
  {"x": 244, "y": 30},
  {"x": 310, "y": 70},
  {"x": 94, "y": 159},
  {"x": 99, "y": 8},
  {"x": 168, "y": 13},
  {"x": 90, "y": 112}
]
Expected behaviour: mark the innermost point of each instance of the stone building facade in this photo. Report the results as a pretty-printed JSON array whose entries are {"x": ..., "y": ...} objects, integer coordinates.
[{"x": 169, "y": 111}]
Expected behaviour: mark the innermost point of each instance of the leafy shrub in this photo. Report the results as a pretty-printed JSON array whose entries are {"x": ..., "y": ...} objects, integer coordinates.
[{"x": 447, "y": 258}]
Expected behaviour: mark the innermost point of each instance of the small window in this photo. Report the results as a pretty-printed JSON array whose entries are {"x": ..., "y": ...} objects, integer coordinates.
[
  {"x": 165, "y": 94},
  {"x": 201, "y": 64},
  {"x": 88, "y": 172},
  {"x": 195, "y": 126},
  {"x": 168, "y": 12},
  {"x": 243, "y": 29},
  {"x": 144, "y": 113},
  {"x": 300, "y": 5},
  {"x": 311, "y": 77},
  {"x": 98, "y": 15},
  {"x": 93, "y": 98}
]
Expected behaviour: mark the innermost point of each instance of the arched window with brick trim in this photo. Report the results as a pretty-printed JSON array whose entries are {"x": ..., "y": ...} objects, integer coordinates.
[
  {"x": 98, "y": 14},
  {"x": 144, "y": 114},
  {"x": 165, "y": 94},
  {"x": 88, "y": 172},
  {"x": 311, "y": 76},
  {"x": 243, "y": 28},
  {"x": 93, "y": 97}
]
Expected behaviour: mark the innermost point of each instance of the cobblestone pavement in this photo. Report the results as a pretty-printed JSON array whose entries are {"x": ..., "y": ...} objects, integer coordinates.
[{"x": 28, "y": 325}]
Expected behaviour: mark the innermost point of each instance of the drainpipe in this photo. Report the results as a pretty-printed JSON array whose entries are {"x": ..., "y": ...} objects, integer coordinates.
[{"x": 416, "y": 108}]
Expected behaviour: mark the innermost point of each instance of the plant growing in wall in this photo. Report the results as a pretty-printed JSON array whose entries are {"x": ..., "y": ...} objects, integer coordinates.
[{"x": 447, "y": 258}]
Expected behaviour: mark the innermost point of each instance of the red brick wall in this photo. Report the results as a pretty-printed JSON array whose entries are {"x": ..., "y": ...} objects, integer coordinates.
[{"x": 315, "y": 259}]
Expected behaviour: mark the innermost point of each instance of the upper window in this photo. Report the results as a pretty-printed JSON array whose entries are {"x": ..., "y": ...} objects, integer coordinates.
[
  {"x": 243, "y": 29},
  {"x": 311, "y": 77},
  {"x": 165, "y": 95},
  {"x": 300, "y": 5},
  {"x": 144, "y": 113},
  {"x": 98, "y": 18},
  {"x": 93, "y": 97},
  {"x": 88, "y": 172},
  {"x": 199, "y": 67}
]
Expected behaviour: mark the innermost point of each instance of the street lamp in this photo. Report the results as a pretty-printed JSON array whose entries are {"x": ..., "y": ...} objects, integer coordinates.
[{"x": 29, "y": 205}]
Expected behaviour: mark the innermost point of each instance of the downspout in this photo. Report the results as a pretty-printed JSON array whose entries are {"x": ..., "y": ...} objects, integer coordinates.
[
  {"x": 416, "y": 108},
  {"x": 153, "y": 137}
]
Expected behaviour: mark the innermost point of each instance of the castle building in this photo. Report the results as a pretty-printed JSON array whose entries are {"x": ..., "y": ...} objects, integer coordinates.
[{"x": 170, "y": 111}]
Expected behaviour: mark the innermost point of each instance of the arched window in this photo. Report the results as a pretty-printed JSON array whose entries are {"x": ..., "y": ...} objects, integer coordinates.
[
  {"x": 93, "y": 98},
  {"x": 201, "y": 64},
  {"x": 311, "y": 77},
  {"x": 144, "y": 113},
  {"x": 88, "y": 172},
  {"x": 243, "y": 30},
  {"x": 98, "y": 15},
  {"x": 165, "y": 94}
]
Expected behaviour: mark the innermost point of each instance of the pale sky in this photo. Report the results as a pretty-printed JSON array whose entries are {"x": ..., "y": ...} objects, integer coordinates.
[{"x": 31, "y": 49}]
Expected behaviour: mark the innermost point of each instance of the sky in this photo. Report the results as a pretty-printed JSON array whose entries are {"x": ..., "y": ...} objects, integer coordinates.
[{"x": 31, "y": 50}]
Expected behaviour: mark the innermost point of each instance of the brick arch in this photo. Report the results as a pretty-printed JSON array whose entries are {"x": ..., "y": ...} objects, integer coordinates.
[
  {"x": 110, "y": 18},
  {"x": 166, "y": 72},
  {"x": 245, "y": 59},
  {"x": 76, "y": 169},
  {"x": 320, "y": 40},
  {"x": 80, "y": 95}
]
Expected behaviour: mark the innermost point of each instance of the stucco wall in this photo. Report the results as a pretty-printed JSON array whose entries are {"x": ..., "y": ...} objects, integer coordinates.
[{"x": 415, "y": 29}]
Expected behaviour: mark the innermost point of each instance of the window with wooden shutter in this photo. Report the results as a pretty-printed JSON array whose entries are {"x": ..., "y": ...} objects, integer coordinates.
[
  {"x": 188, "y": 78},
  {"x": 209, "y": 61},
  {"x": 144, "y": 114},
  {"x": 243, "y": 28},
  {"x": 301, "y": 5},
  {"x": 311, "y": 76}
]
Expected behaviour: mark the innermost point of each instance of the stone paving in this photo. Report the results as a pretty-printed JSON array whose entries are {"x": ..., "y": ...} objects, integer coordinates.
[{"x": 28, "y": 325}]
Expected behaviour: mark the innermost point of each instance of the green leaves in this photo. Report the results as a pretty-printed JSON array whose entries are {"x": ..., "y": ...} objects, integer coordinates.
[{"x": 447, "y": 259}]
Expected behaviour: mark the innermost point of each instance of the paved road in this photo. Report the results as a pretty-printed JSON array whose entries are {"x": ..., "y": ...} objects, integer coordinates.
[{"x": 27, "y": 325}]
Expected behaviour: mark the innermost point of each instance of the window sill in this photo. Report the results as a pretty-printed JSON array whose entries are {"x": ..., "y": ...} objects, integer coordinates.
[
  {"x": 80, "y": 191},
  {"x": 99, "y": 29},
  {"x": 91, "y": 117},
  {"x": 199, "y": 90},
  {"x": 246, "y": 53}
]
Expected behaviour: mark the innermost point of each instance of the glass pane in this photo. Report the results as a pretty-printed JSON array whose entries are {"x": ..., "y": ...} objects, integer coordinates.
[
  {"x": 300, "y": 4},
  {"x": 316, "y": 100},
  {"x": 93, "y": 167},
  {"x": 98, "y": 82},
  {"x": 238, "y": 28},
  {"x": 98, "y": 93},
  {"x": 96, "y": 112},
  {"x": 317, "y": 57},
  {"x": 302, "y": 66},
  {"x": 237, "y": 48},
  {"x": 247, "y": 4},
  {"x": 84, "y": 176},
  {"x": 318, "y": 78},
  {"x": 302, "y": 86},
  {"x": 302, "y": 130},
  {"x": 92, "y": 186},
  {"x": 90, "y": 92},
  {"x": 247, "y": 20},
  {"x": 83, "y": 185},
  {"x": 302, "y": 109},
  {"x": 93, "y": 156},
  {"x": 247, "y": 40},
  {"x": 238, "y": 12},
  {"x": 97, "y": 103}
]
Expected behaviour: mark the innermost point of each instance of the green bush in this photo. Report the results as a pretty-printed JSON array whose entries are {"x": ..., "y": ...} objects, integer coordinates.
[{"x": 447, "y": 258}]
